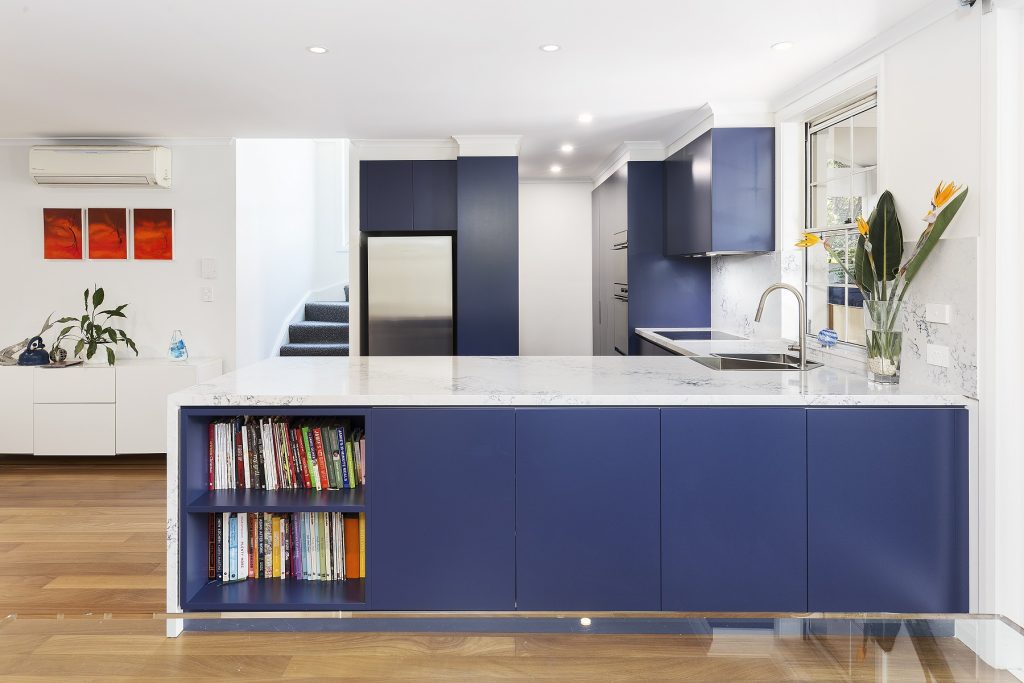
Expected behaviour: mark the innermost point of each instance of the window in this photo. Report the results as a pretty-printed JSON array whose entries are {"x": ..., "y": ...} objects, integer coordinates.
[{"x": 842, "y": 171}]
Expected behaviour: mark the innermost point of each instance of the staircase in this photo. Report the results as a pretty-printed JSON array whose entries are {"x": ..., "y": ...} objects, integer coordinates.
[{"x": 324, "y": 332}]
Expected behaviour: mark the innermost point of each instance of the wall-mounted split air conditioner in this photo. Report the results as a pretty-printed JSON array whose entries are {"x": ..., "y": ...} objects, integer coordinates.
[{"x": 116, "y": 165}]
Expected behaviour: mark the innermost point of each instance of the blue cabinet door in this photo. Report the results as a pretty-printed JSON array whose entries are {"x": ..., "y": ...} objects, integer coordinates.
[
  {"x": 385, "y": 195},
  {"x": 887, "y": 510},
  {"x": 434, "y": 195},
  {"x": 487, "y": 259},
  {"x": 442, "y": 510},
  {"x": 734, "y": 497},
  {"x": 743, "y": 189},
  {"x": 587, "y": 509},
  {"x": 688, "y": 198}
]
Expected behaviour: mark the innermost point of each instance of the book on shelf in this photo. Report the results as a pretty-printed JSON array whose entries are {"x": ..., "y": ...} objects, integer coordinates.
[
  {"x": 275, "y": 454},
  {"x": 310, "y": 546}
]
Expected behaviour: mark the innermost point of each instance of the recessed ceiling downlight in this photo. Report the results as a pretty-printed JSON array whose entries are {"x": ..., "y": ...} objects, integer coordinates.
[
  {"x": 585, "y": 117},
  {"x": 550, "y": 47},
  {"x": 784, "y": 45},
  {"x": 555, "y": 168},
  {"x": 317, "y": 49},
  {"x": 567, "y": 148}
]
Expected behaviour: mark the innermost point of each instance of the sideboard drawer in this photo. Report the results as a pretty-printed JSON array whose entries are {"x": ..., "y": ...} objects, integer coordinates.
[
  {"x": 74, "y": 385},
  {"x": 74, "y": 428}
]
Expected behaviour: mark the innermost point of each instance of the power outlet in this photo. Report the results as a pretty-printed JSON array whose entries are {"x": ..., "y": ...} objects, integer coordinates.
[
  {"x": 938, "y": 313},
  {"x": 206, "y": 294},
  {"x": 937, "y": 355},
  {"x": 208, "y": 266}
]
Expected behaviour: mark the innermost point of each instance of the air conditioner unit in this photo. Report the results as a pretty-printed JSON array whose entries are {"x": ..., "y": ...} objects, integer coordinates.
[{"x": 118, "y": 165}]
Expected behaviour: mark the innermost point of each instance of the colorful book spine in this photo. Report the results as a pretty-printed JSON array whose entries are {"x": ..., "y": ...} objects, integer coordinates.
[
  {"x": 212, "y": 452},
  {"x": 362, "y": 546},
  {"x": 350, "y": 461},
  {"x": 321, "y": 458},
  {"x": 212, "y": 532},
  {"x": 232, "y": 548},
  {"x": 351, "y": 547},
  {"x": 346, "y": 476}
]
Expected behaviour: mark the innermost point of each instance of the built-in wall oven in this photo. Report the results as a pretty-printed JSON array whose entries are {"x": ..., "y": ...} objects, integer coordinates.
[{"x": 620, "y": 293}]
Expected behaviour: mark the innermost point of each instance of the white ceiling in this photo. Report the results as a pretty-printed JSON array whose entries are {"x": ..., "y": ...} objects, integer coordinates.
[{"x": 410, "y": 68}]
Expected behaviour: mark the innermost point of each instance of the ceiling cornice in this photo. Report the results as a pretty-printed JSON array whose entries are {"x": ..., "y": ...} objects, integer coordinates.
[
  {"x": 488, "y": 145},
  {"x": 636, "y": 150},
  {"x": 426, "y": 148}
]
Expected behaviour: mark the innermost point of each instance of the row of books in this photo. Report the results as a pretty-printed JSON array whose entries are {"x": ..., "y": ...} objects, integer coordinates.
[
  {"x": 310, "y": 546},
  {"x": 273, "y": 453}
]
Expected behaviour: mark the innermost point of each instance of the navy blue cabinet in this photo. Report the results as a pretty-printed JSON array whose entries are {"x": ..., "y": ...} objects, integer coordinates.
[
  {"x": 487, "y": 257},
  {"x": 587, "y": 509},
  {"x": 887, "y": 510},
  {"x": 720, "y": 193},
  {"x": 734, "y": 510},
  {"x": 385, "y": 195},
  {"x": 399, "y": 196},
  {"x": 442, "y": 515},
  {"x": 434, "y": 195}
]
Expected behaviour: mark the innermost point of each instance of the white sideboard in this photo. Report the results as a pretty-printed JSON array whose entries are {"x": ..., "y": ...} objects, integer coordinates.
[{"x": 96, "y": 410}]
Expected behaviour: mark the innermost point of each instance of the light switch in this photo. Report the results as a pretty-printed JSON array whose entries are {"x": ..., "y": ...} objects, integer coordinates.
[
  {"x": 937, "y": 313},
  {"x": 206, "y": 294},
  {"x": 209, "y": 268},
  {"x": 937, "y": 355}
]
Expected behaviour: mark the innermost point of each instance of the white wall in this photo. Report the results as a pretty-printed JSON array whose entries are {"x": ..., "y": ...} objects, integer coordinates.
[
  {"x": 163, "y": 295},
  {"x": 555, "y": 303},
  {"x": 291, "y": 197},
  {"x": 276, "y": 239}
]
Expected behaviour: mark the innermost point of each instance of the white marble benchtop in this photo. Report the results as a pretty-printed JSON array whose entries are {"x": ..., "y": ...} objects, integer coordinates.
[{"x": 538, "y": 380}]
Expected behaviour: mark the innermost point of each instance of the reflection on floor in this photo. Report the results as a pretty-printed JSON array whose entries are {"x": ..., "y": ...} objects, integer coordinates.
[{"x": 81, "y": 585}]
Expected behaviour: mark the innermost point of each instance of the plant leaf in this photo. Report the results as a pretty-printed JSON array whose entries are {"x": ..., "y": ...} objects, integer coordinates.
[
  {"x": 112, "y": 334},
  {"x": 66, "y": 330},
  {"x": 79, "y": 346},
  {"x": 97, "y": 297},
  {"x": 942, "y": 221},
  {"x": 91, "y": 351},
  {"x": 113, "y": 313},
  {"x": 110, "y": 356},
  {"x": 67, "y": 320},
  {"x": 85, "y": 296},
  {"x": 131, "y": 345},
  {"x": 886, "y": 237}
]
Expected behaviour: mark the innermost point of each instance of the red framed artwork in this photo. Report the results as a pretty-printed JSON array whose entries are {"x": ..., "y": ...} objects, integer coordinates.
[
  {"x": 153, "y": 234},
  {"x": 62, "y": 234},
  {"x": 107, "y": 233}
]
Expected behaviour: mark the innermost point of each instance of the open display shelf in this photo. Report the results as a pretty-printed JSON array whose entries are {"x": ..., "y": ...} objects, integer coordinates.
[{"x": 200, "y": 593}]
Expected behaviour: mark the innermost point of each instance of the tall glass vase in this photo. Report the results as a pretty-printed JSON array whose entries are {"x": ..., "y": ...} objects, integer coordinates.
[{"x": 884, "y": 330}]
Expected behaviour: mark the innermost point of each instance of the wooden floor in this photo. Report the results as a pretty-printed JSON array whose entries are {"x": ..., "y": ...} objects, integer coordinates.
[{"x": 82, "y": 588}]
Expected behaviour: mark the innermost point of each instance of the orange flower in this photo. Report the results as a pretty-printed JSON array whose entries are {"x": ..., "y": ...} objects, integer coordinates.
[
  {"x": 943, "y": 193},
  {"x": 809, "y": 240},
  {"x": 862, "y": 226}
]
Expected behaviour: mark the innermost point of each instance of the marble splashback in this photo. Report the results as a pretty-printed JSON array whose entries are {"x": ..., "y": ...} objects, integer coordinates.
[
  {"x": 950, "y": 276},
  {"x": 736, "y": 285}
]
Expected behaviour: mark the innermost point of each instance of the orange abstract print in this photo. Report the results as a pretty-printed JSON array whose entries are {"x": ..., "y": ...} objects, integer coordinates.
[
  {"x": 62, "y": 233},
  {"x": 108, "y": 233},
  {"x": 154, "y": 239}
]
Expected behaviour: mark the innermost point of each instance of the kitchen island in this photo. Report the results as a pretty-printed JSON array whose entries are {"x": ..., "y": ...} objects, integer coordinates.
[{"x": 598, "y": 484}]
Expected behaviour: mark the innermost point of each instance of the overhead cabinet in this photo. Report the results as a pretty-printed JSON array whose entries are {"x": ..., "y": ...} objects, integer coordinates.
[
  {"x": 403, "y": 196},
  {"x": 720, "y": 194}
]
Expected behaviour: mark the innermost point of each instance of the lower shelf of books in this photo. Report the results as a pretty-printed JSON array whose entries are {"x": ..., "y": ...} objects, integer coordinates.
[{"x": 279, "y": 594}]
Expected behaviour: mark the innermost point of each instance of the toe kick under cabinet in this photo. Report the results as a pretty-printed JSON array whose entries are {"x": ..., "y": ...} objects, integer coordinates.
[{"x": 93, "y": 410}]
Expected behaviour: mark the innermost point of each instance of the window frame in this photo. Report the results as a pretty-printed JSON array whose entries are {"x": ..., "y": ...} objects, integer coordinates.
[{"x": 850, "y": 109}]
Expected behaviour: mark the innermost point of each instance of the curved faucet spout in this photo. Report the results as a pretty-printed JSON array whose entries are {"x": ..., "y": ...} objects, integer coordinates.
[{"x": 801, "y": 335}]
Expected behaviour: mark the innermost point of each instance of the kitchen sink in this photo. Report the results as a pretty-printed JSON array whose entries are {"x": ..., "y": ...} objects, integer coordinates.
[{"x": 752, "y": 361}]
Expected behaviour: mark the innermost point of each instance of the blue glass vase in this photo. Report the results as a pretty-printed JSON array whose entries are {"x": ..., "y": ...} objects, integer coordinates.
[{"x": 176, "y": 350}]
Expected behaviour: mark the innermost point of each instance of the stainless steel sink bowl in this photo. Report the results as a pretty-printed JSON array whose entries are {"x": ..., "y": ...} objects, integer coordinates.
[{"x": 752, "y": 361}]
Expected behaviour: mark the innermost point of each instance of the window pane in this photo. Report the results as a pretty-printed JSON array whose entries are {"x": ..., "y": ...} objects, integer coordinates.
[
  {"x": 864, "y": 129},
  {"x": 832, "y": 205},
  {"x": 817, "y": 308},
  {"x": 864, "y": 189}
]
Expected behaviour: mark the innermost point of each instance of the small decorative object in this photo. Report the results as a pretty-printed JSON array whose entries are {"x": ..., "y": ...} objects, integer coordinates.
[
  {"x": 9, "y": 355},
  {"x": 154, "y": 234},
  {"x": 828, "y": 338},
  {"x": 176, "y": 350},
  {"x": 878, "y": 272},
  {"x": 35, "y": 354},
  {"x": 108, "y": 233},
  {"x": 62, "y": 234},
  {"x": 92, "y": 330},
  {"x": 58, "y": 355}
]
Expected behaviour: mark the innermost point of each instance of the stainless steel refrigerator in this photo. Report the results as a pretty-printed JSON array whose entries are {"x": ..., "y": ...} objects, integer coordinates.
[{"x": 409, "y": 296}]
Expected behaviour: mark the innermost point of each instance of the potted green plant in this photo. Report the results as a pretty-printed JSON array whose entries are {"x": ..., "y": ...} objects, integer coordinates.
[
  {"x": 882, "y": 275},
  {"x": 93, "y": 330}
]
